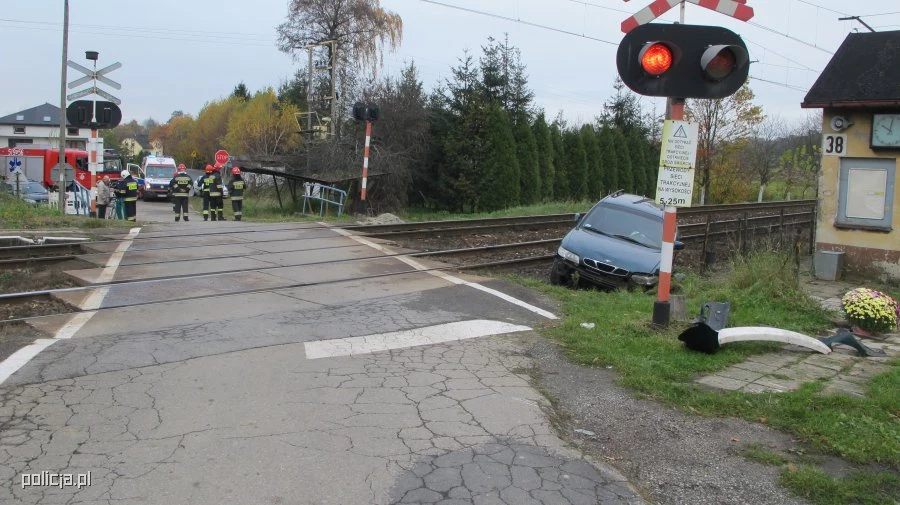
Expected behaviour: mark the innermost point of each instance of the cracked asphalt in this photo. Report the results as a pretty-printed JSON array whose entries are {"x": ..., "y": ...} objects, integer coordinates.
[{"x": 213, "y": 400}]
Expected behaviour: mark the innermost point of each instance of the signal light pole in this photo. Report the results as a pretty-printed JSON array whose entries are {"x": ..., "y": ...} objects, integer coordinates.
[{"x": 367, "y": 113}]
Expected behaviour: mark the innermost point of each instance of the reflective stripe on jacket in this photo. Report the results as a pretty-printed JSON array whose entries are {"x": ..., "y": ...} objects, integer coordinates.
[
  {"x": 131, "y": 190},
  {"x": 236, "y": 189}
]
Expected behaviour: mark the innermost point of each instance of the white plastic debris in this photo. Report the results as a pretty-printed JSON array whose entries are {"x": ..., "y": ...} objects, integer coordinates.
[
  {"x": 585, "y": 432},
  {"x": 589, "y": 326}
]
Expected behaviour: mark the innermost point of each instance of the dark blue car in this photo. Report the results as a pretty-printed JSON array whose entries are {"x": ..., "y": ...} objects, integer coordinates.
[{"x": 615, "y": 245}]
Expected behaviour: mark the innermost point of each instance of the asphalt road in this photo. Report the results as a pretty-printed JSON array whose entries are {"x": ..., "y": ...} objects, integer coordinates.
[{"x": 247, "y": 363}]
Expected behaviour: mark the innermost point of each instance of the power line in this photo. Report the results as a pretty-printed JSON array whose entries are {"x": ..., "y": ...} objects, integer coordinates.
[
  {"x": 764, "y": 27},
  {"x": 536, "y": 25},
  {"x": 823, "y": 8},
  {"x": 155, "y": 37},
  {"x": 783, "y": 56},
  {"x": 588, "y": 4},
  {"x": 784, "y": 85},
  {"x": 141, "y": 29},
  {"x": 882, "y": 14}
]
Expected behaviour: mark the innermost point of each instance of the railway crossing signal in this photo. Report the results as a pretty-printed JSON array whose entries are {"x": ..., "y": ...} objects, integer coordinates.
[{"x": 684, "y": 61}]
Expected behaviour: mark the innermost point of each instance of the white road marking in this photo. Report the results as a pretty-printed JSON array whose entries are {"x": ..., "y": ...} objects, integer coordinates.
[
  {"x": 449, "y": 332},
  {"x": 19, "y": 358},
  {"x": 444, "y": 275}
]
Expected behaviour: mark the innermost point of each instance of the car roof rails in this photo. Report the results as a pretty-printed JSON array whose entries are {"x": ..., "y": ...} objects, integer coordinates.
[{"x": 616, "y": 193}]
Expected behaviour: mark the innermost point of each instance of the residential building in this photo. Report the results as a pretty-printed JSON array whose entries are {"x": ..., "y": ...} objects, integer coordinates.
[
  {"x": 39, "y": 126},
  {"x": 858, "y": 195}
]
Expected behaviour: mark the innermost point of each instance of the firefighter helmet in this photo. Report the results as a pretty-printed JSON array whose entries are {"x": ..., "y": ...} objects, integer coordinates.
[
  {"x": 236, "y": 171},
  {"x": 181, "y": 167},
  {"x": 125, "y": 173},
  {"x": 209, "y": 169}
]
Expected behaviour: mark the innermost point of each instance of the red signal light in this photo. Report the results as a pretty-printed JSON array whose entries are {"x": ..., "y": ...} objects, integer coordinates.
[
  {"x": 656, "y": 59},
  {"x": 721, "y": 65}
]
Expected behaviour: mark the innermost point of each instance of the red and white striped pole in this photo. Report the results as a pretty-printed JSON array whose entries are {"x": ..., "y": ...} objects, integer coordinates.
[
  {"x": 366, "y": 162},
  {"x": 661, "y": 308},
  {"x": 93, "y": 169}
]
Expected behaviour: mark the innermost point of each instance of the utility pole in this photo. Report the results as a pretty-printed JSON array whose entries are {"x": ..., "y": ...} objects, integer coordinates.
[
  {"x": 309, "y": 92},
  {"x": 333, "y": 66},
  {"x": 857, "y": 18},
  {"x": 62, "y": 110}
]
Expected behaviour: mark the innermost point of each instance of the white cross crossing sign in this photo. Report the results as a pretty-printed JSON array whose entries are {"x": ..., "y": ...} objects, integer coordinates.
[
  {"x": 94, "y": 76},
  {"x": 90, "y": 75}
]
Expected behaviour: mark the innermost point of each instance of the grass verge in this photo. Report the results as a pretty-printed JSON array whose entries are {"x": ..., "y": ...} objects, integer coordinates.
[
  {"x": 764, "y": 291},
  {"x": 15, "y": 214}
]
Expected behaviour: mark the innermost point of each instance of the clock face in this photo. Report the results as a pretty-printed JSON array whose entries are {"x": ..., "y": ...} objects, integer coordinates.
[{"x": 886, "y": 130}]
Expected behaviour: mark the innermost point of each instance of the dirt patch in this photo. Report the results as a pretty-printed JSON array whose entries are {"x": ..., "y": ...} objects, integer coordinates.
[
  {"x": 38, "y": 306},
  {"x": 36, "y": 278}
]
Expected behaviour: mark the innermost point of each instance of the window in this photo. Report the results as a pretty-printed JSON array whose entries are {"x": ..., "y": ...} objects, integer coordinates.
[
  {"x": 19, "y": 142},
  {"x": 73, "y": 131},
  {"x": 866, "y": 197},
  {"x": 19, "y": 130}
]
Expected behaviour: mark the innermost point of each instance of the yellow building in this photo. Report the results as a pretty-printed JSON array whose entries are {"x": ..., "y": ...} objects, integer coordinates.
[{"x": 859, "y": 199}]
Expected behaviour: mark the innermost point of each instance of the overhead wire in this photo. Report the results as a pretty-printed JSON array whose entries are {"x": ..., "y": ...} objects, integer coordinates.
[{"x": 520, "y": 21}]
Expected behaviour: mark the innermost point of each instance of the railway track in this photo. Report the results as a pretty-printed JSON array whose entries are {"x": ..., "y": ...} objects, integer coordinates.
[
  {"x": 511, "y": 252},
  {"x": 48, "y": 294}
]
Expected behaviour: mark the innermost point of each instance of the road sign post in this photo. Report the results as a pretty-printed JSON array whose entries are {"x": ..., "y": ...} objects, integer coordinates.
[{"x": 108, "y": 115}]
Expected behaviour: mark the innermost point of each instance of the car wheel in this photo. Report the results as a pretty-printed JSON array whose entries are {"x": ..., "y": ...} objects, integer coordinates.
[{"x": 558, "y": 273}]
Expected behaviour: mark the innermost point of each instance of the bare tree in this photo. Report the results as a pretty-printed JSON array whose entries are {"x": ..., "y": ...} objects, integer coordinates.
[
  {"x": 361, "y": 29},
  {"x": 801, "y": 160},
  {"x": 764, "y": 150},
  {"x": 721, "y": 121}
]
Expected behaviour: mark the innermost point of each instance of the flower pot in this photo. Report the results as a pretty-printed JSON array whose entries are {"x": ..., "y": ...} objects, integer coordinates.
[{"x": 860, "y": 332}]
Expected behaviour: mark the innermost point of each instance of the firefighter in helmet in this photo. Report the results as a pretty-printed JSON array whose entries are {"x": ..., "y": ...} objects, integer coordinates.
[
  {"x": 128, "y": 191},
  {"x": 236, "y": 191},
  {"x": 205, "y": 181},
  {"x": 216, "y": 206},
  {"x": 180, "y": 186}
]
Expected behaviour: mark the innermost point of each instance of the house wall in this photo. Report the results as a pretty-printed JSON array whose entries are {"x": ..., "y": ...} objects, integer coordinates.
[
  {"x": 43, "y": 135},
  {"x": 866, "y": 251}
]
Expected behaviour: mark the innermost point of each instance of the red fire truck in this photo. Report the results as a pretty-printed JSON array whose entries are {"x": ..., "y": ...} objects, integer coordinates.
[{"x": 39, "y": 164}]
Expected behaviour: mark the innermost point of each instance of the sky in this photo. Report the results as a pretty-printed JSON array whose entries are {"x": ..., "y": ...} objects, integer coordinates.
[{"x": 180, "y": 54}]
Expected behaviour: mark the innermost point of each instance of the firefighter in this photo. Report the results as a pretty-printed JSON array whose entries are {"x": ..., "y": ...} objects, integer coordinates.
[
  {"x": 129, "y": 192},
  {"x": 205, "y": 181},
  {"x": 180, "y": 186},
  {"x": 236, "y": 191},
  {"x": 216, "y": 207}
]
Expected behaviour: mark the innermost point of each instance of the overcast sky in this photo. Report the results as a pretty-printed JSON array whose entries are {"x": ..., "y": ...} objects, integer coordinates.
[{"x": 179, "y": 54}]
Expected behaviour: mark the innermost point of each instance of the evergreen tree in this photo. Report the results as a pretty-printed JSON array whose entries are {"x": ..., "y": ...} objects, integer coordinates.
[
  {"x": 529, "y": 167},
  {"x": 637, "y": 150},
  {"x": 609, "y": 161},
  {"x": 623, "y": 160},
  {"x": 592, "y": 152},
  {"x": 463, "y": 145},
  {"x": 623, "y": 111},
  {"x": 576, "y": 163},
  {"x": 545, "y": 156},
  {"x": 498, "y": 187},
  {"x": 560, "y": 163}
]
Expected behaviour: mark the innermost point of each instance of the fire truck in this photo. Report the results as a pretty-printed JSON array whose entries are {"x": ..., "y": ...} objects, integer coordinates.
[{"x": 40, "y": 164}]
